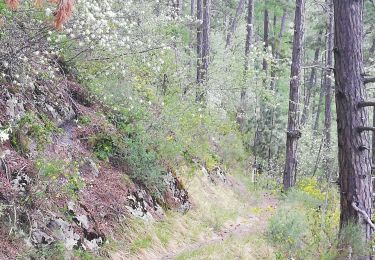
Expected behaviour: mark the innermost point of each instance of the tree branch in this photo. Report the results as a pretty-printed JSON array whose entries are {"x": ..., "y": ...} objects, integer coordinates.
[
  {"x": 364, "y": 214},
  {"x": 369, "y": 103},
  {"x": 365, "y": 128},
  {"x": 369, "y": 80}
]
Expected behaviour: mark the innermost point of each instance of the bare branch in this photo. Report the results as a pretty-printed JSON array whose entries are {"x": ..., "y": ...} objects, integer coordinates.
[{"x": 364, "y": 214}]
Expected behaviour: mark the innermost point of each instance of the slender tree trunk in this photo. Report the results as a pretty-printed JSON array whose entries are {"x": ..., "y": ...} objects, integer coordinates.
[
  {"x": 248, "y": 43},
  {"x": 328, "y": 92},
  {"x": 293, "y": 132},
  {"x": 311, "y": 81},
  {"x": 320, "y": 103},
  {"x": 277, "y": 48},
  {"x": 203, "y": 10},
  {"x": 266, "y": 35},
  {"x": 372, "y": 49},
  {"x": 206, "y": 37},
  {"x": 354, "y": 157},
  {"x": 191, "y": 44},
  {"x": 233, "y": 24},
  {"x": 199, "y": 41}
]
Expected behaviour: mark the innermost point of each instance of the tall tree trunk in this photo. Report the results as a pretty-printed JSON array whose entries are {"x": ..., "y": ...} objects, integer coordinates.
[
  {"x": 233, "y": 24},
  {"x": 249, "y": 31},
  {"x": 293, "y": 132},
  {"x": 354, "y": 157},
  {"x": 205, "y": 46},
  {"x": 311, "y": 81},
  {"x": 277, "y": 48},
  {"x": 248, "y": 43},
  {"x": 199, "y": 41},
  {"x": 266, "y": 34},
  {"x": 320, "y": 102},
  {"x": 328, "y": 92},
  {"x": 206, "y": 37},
  {"x": 191, "y": 42}
]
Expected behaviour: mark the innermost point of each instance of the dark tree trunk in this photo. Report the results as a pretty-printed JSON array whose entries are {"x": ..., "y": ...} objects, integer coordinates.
[
  {"x": 233, "y": 24},
  {"x": 328, "y": 91},
  {"x": 293, "y": 132},
  {"x": 372, "y": 49},
  {"x": 311, "y": 82},
  {"x": 354, "y": 157},
  {"x": 206, "y": 37},
  {"x": 199, "y": 41}
]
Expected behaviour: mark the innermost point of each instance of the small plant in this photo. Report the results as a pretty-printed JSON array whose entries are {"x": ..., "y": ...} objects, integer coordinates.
[
  {"x": 141, "y": 243},
  {"x": 144, "y": 163},
  {"x": 31, "y": 128},
  {"x": 104, "y": 146},
  {"x": 84, "y": 120},
  {"x": 61, "y": 175},
  {"x": 288, "y": 229}
]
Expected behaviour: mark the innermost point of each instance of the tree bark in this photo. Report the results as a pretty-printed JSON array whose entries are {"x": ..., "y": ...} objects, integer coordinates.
[
  {"x": 266, "y": 34},
  {"x": 248, "y": 43},
  {"x": 328, "y": 91},
  {"x": 249, "y": 31},
  {"x": 354, "y": 162},
  {"x": 293, "y": 132},
  {"x": 199, "y": 41},
  {"x": 320, "y": 103},
  {"x": 233, "y": 24},
  {"x": 277, "y": 48},
  {"x": 203, "y": 36}
]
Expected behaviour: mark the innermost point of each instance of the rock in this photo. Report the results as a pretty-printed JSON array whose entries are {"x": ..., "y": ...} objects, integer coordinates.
[
  {"x": 138, "y": 206},
  {"x": 14, "y": 108},
  {"x": 21, "y": 182},
  {"x": 39, "y": 238},
  {"x": 219, "y": 173},
  {"x": 83, "y": 221},
  {"x": 89, "y": 166},
  {"x": 93, "y": 244},
  {"x": 65, "y": 233},
  {"x": 179, "y": 194}
]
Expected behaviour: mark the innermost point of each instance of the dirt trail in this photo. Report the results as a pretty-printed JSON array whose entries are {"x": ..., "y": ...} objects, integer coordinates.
[{"x": 256, "y": 223}]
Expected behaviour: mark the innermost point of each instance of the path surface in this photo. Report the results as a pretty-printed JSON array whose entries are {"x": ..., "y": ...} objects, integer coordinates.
[{"x": 256, "y": 223}]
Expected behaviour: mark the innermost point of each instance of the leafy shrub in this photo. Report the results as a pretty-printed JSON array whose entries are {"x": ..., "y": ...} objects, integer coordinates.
[
  {"x": 288, "y": 228},
  {"x": 104, "y": 146},
  {"x": 145, "y": 166}
]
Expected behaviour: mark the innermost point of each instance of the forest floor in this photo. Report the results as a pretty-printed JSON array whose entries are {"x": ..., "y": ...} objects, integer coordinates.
[{"x": 227, "y": 221}]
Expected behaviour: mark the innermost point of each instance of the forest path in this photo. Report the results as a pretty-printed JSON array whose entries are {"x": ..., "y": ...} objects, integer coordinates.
[
  {"x": 228, "y": 220},
  {"x": 254, "y": 225}
]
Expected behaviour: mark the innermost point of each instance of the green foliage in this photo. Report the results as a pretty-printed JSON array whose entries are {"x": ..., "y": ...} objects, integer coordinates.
[
  {"x": 144, "y": 163},
  {"x": 62, "y": 176},
  {"x": 288, "y": 228},
  {"x": 104, "y": 145},
  {"x": 55, "y": 251},
  {"x": 30, "y": 128},
  {"x": 351, "y": 240},
  {"x": 141, "y": 243},
  {"x": 306, "y": 224},
  {"x": 84, "y": 120}
]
